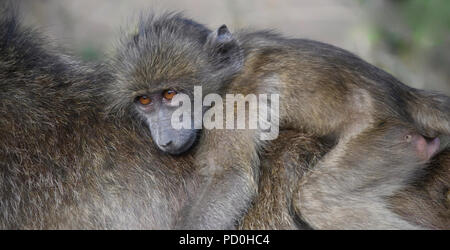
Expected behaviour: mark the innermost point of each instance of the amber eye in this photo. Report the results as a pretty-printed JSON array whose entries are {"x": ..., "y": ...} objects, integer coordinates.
[
  {"x": 144, "y": 100},
  {"x": 169, "y": 94}
]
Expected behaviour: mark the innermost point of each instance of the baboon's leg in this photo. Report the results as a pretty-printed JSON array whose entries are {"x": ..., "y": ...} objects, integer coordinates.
[
  {"x": 427, "y": 200},
  {"x": 348, "y": 187},
  {"x": 283, "y": 163}
]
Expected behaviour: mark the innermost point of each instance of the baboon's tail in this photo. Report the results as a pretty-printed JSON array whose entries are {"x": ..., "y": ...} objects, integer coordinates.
[{"x": 430, "y": 112}]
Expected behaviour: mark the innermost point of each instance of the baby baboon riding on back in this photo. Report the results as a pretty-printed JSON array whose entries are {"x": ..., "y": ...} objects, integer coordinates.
[
  {"x": 324, "y": 90},
  {"x": 64, "y": 165}
]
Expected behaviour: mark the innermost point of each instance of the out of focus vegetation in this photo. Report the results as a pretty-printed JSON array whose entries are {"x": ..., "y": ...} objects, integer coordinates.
[
  {"x": 424, "y": 25},
  {"x": 417, "y": 32},
  {"x": 408, "y": 38}
]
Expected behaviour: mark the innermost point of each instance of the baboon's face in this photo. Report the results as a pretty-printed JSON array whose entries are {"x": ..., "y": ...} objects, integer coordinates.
[
  {"x": 157, "y": 109},
  {"x": 167, "y": 59},
  {"x": 153, "y": 85},
  {"x": 207, "y": 66}
]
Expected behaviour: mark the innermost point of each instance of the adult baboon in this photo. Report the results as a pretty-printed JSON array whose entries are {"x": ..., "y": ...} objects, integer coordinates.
[{"x": 324, "y": 90}]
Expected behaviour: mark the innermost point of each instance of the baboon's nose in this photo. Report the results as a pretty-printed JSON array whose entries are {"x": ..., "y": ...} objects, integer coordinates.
[{"x": 166, "y": 143}]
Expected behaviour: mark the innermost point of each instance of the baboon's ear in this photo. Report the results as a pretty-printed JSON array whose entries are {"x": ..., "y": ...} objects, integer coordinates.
[{"x": 224, "y": 50}]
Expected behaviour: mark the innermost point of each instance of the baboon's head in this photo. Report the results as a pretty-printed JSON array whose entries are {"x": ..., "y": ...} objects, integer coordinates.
[{"x": 164, "y": 60}]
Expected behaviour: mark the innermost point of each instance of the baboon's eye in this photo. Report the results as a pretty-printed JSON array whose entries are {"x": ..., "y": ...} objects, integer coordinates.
[
  {"x": 169, "y": 94},
  {"x": 144, "y": 100}
]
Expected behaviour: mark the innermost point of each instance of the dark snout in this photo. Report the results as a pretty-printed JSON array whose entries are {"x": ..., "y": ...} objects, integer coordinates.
[{"x": 173, "y": 141}]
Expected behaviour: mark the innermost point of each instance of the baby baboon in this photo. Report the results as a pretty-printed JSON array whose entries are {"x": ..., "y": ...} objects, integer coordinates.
[
  {"x": 62, "y": 165},
  {"x": 324, "y": 90}
]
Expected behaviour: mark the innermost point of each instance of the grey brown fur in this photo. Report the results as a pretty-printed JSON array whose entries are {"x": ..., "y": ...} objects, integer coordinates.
[
  {"x": 324, "y": 90},
  {"x": 425, "y": 201},
  {"x": 64, "y": 165},
  {"x": 352, "y": 191},
  {"x": 285, "y": 161}
]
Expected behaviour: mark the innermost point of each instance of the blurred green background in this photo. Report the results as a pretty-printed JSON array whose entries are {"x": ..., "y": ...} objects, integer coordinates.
[{"x": 408, "y": 38}]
